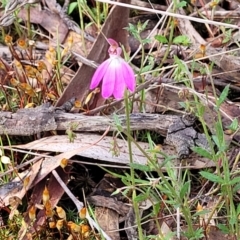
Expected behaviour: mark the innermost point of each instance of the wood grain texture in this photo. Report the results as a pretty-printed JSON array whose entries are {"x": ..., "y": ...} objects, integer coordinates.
[{"x": 27, "y": 122}]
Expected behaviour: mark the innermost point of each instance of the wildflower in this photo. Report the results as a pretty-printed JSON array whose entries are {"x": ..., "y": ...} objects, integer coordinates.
[{"x": 115, "y": 73}]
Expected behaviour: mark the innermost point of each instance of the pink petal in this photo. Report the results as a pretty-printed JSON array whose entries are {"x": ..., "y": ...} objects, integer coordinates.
[
  {"x": 99, "y": 73},
  {"x": 120, "y": 85},
  {"x": 112, "y": 42},
  {"x": 108, "y": 83},
  {"x": 128, "y": 76}
]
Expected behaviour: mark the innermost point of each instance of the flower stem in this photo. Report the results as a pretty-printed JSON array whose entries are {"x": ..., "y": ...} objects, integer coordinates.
[
  {"x": 80, "y": 10},
  {"x": 132, "y": 173}
]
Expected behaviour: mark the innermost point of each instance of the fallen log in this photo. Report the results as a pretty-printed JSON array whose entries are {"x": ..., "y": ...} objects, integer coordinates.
[{"x": 27, "y": 122}]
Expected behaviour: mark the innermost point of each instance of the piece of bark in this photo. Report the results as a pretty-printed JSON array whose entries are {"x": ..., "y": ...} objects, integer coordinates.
[
  {"x": 105, "y": 214},
  {"x": 110, "y": 203},
  {"x": 108, "y": 221},
  {"x": 183, "y": 136},
  {"x": 32, "y": 121},
  {"x": 130, "y": 222},
  {"x": 104, "y": 151},
  {"x": 27, "y": 122}
]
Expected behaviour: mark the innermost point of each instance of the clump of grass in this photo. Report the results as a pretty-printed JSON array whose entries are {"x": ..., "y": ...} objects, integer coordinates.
[{"x": 32, "y": 82}]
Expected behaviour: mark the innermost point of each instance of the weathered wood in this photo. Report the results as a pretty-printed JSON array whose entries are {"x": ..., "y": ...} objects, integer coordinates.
[
  {"x": 27, "y": 122},
  {"x": 154, "y": 122}
]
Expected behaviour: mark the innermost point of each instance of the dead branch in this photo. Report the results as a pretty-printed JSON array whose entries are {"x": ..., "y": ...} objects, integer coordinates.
[{"x": 27, "y": 122}]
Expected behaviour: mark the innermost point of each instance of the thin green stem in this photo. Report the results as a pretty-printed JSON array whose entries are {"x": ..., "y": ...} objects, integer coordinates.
[
  {"x": 142, "y": 93},
  {"x": 98, "y": 14},
  {"x": 185, "y": 209},
  {"x": 105, "y": 9},
  {"x": 132, "y": 172},
  {"x": 29, "y": 22},
  {"x": 169, "y": 42},
  {"x": 80, "y": 9}
]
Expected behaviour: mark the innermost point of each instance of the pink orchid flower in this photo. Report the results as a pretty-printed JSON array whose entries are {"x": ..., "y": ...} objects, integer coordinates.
[{"x": 115, "y": 74}]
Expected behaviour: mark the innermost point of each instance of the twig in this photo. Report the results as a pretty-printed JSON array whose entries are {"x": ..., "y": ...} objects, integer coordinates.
[
  {"x": 34, "y": 160},
  {"x": 78, "y": 204}
]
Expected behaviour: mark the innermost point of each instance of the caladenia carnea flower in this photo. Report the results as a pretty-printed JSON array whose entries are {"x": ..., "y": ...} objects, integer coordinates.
[{"x": 115, "y": 73}]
